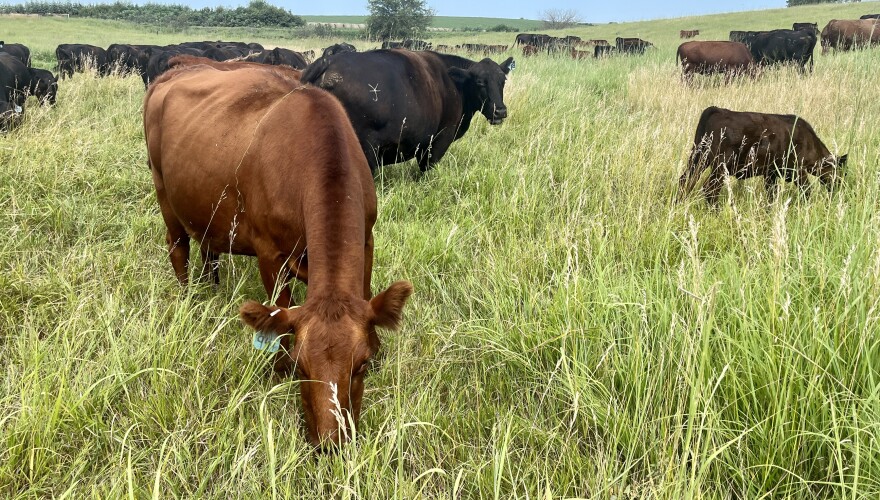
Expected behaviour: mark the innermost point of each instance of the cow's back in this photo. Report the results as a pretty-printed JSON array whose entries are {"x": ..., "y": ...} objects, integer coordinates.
[{"x": 243, "y": 151}]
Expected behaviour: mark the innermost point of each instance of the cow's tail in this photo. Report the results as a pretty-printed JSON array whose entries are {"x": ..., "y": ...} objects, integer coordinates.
[
  {"x": 695, "y": 165},
  {"x": 313, "y": 72}
]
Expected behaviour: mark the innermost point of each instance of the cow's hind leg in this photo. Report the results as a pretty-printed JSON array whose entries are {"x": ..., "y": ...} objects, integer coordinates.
[{"x": 210, "y": 265}]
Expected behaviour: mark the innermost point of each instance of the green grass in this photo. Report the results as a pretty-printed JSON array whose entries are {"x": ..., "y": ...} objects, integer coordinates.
[
  {"x": 574, "y": 332},
  {"x": 442, "y": 21}
]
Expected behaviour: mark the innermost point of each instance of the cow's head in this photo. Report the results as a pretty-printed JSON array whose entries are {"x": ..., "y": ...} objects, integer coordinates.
[
  {"x": 483, "y": 88},
  {"x": 832, "y": 171},
  {"x": 330, "y": 343},
  {"x": 44, "y": 86}
]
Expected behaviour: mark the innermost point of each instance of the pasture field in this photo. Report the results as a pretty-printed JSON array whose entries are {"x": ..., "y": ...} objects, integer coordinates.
[{"x": 574, "y": 332}]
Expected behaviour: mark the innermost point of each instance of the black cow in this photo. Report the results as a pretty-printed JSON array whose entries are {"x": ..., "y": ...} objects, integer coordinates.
[
  {"x": 416, "y": 44},
  {"x": 222, "y": 53},
  {"x": 632, "y": 45},
  {"x": 279, "y": 56},
  {"x": 339, "y": 48},
  {"x": 784, "y": 46},
  {"x": 19, "y": 51},
  {"x": 744, "y": 145},
  {"x": 416, "y": 103},
  {"x": 533, "y": 39},
  {"x": 814, "y": 27},
  {"x": 745, "y": 37},
  {"x": 158, "y": 62},
  {"x": 17, "y": 81},
  {"x": 870, "y": 16},
  {"x": 388, "y": 44},
  {"x": 600, "y": 51},
  {"x": 77, "y": 57},
  {"x": 127, "y": 58}
]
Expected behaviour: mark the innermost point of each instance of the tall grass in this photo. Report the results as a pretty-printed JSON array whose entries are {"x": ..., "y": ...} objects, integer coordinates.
[{"x": 574, "y": 332}]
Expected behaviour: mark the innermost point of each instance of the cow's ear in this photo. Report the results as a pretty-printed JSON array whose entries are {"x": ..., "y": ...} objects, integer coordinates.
[
  {"x": 460, "y": 76},
  {"x": 508, "y": 65},
  {"x": 841, "y": 162},
  {"x": 267, "y": 319},
  {"x": 388, "y": 306}
]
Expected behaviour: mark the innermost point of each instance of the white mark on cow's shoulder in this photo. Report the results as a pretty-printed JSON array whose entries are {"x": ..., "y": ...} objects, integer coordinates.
[{"x": 375, "y": 90}]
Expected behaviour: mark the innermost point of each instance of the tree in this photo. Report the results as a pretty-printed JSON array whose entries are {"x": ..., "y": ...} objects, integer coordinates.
[
  {"x": 398, "y": 19},
  {"x": 557, "y": 19}
]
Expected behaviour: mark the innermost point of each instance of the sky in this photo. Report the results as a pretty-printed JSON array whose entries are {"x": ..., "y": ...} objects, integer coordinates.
[{"x": 597, "y": 11}]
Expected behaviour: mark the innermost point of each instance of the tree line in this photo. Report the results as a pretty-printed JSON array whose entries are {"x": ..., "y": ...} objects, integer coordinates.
[{"x": 258, "y": 13}]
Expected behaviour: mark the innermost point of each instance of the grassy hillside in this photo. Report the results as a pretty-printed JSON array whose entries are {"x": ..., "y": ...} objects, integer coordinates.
[
  {"x": 442, "y": 21},
  {"x": 575, "y": 333}
]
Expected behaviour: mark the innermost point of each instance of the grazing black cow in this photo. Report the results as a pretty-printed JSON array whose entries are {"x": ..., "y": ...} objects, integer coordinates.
[
  {"x": 159, "y": 59},
  {"x": 870, "y": 16},
  {"x": 256, "y": 47},
  {"x": 784, "y": 46},
  {"x": 600, "y": 51},
  {"x": 632, "y": 45},
  {"x": 416, "y": 44},
  {"x": 746, "y": 145},
  {"x": 339, "y": 48},
  {"x": 279, "y": 56},
  {"x": 407, "y": 104},
  {"x": 127, "y": 58},
  {"x": 814, "y": 27},
  {"x": 17, "y": 50},
  {"x": 17, "y": 81},
  {"x": 77, "y": 57},
  {"x": 221, "y": 54}
]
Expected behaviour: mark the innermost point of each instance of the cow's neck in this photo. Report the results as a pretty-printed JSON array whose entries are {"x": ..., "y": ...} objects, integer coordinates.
[{"x": 335, "y": 238}]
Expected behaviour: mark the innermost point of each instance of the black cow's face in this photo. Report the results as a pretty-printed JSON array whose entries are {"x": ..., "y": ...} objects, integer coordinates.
[
  {"x": 46, "y": 88},
  {"x": 484, "y": 83}
]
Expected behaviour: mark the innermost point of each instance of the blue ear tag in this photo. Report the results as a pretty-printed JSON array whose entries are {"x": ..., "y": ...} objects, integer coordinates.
[{"x": 268, "y": 341}]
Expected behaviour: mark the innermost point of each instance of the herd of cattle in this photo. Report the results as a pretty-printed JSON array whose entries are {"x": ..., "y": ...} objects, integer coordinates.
[
  {"x": 748, "y": 50},
  {"x": 533, "y": 44},
  {"x": 279, "y": 153}
]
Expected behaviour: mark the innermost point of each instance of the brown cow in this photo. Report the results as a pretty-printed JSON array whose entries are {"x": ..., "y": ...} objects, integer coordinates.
[
  {"x": 248, "y": 160},
  {"x": 849, "y": 35},
  {"x": 529, "y": 50},
  {"x": 689, "y": 33},
  {"x": 746, "y": 145},
  {"x": 706, "y": 58},
  {"x": 581, "y": 54}
]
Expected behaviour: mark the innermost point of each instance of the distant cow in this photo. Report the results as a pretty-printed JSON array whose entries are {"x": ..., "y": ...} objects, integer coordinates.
[
  {"x": 870, "y": 16},
  {"x": 849, "y": 35},
  {"x": 443, "y": 48},
  {"x": 580, "y": 54},
  {"x": 529, "y": 50},
  {"x": 388, "y": 44},
  {"x": 417, "y": 103},
  {"x": 308, "y": 55},
  {"x": 17, "y": 50},
  {"x": 744, "y": 145},
  {"x": 784, "y": 46},
  {"x": 600, "y": 51},
  {"x": 599, "y": 42},
  {"x": 706, "y": 58},
  {"x": 688, "y": 33},
  {"x": 814, "y": 27},
  {"x": 279, "y": 56},
  {"x": 339, "y": 48},
  {"x": 77, "y": 57},
  {"x": 536, "y": 40},
  {"x": 632, "y": 45},
  {"x": 416, "y": 44}
]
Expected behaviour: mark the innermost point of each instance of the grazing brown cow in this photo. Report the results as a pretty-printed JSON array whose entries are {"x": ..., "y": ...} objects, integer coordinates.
[
  {"x": 746, "y": 145},
  {"x": 689, "y": 33},
  {"x": 849, "y": 35},
  {"x": 248, "y": 160},
  {"x": 706, "y": 58},
  {"x": 599, "y": 43},
  {"x": 529, "y": 50},
  {"x": 581, "y": 54}
]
